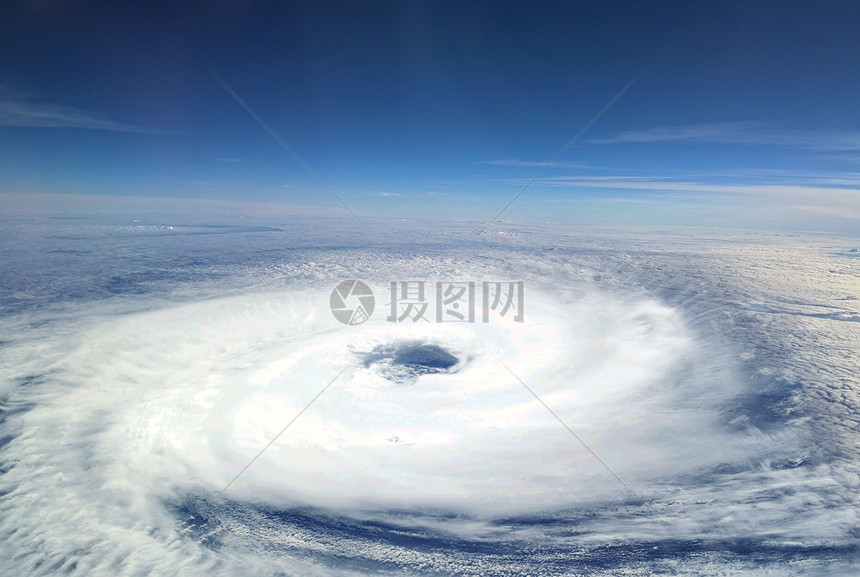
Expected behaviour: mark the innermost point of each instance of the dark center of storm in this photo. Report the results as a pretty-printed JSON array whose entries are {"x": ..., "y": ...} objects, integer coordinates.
[{"x": 406, "y": 361}]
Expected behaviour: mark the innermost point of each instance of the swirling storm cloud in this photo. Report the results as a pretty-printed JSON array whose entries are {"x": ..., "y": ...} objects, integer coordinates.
[{"x": 656, "y": 411}]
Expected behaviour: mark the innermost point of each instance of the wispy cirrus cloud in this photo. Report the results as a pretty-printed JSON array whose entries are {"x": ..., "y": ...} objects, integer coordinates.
[
  {"x": 536, "y": 163},
  {"x": 18, "y": 109},
  {"x": 744, "y": 133},
  {"x": 842, "y": 199}
]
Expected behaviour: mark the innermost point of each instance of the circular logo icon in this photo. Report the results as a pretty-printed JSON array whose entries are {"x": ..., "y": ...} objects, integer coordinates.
[{"x": 352, "y": 302}]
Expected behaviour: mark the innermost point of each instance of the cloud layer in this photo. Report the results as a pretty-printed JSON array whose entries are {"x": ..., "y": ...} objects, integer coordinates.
[{"x": 669, "y": 356}]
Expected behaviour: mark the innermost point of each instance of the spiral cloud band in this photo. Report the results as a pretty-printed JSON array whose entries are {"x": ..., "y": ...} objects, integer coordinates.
[{"x": 219, "y": 427}]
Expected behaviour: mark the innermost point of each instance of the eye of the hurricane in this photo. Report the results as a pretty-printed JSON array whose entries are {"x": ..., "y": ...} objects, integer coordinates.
[{"x": 404, "y": 362}]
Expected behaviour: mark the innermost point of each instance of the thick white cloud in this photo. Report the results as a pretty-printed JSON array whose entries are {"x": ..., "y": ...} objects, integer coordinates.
[{"x": 120, "y": 416}]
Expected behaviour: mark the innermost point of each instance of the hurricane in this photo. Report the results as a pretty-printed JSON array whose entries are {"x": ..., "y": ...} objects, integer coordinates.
[
  {"x": 429, "y": 289},
  {"x": 231, "y": 421}
]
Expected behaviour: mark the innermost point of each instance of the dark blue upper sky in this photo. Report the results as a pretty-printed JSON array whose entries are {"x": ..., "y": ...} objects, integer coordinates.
[{"x": 446, "y": 108}]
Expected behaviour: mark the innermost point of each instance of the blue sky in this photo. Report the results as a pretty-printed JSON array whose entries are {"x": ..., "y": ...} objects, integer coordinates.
[{"x": 747, "y": 112}]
